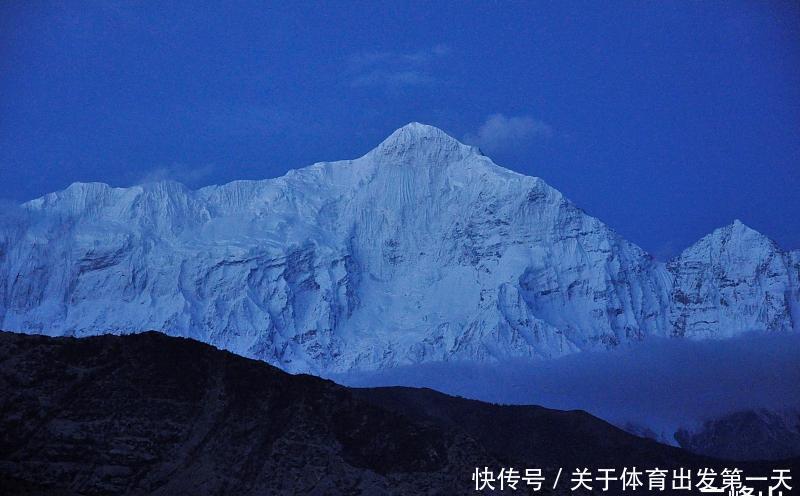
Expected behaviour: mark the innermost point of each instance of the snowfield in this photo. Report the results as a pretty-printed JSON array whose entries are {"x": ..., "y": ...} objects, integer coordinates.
[{"x": 422, "y": 250}]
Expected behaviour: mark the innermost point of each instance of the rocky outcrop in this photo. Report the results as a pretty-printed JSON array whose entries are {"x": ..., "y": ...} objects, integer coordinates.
[{"x": 733, "y": 280}]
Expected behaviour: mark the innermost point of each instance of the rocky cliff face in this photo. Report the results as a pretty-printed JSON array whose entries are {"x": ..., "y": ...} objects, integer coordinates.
[
  {"x": 421, "y": 250},
  {"x": 732, "y": 280}
]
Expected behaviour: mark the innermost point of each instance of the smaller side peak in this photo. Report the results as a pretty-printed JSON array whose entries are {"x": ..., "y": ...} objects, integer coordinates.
[
  {"x": 79, "y": 190},
  {"x": 741, "y": 231},
  {"x": 737, "y": 232},
  {"x": 737, "y": 226},
  {"x": 735, "y": 236}
]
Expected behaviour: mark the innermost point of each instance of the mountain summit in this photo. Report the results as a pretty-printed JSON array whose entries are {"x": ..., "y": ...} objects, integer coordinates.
[
  {"x": 421, "y": 250},
  {"x": 415, "y": 133},
  {"x": 421, "y": 144}
]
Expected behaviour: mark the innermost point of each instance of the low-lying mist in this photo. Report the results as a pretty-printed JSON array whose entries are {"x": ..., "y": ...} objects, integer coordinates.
[{"x": 661, "y": 383}]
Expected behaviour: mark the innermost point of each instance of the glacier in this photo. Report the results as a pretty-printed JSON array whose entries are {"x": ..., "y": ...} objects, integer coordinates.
[{"x": 422, "y": 250}]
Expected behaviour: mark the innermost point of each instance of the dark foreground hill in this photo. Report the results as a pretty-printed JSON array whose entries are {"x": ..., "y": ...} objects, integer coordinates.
[{"x": 151, "y": 414}]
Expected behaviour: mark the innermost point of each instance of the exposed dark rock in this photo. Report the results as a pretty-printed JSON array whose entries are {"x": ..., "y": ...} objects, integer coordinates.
[
  {"x": 151, "y": 414},
  {"x": 762, "y": 434}
]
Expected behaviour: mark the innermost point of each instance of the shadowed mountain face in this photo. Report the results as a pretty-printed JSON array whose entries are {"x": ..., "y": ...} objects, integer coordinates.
[
  {"x": 540, "y": 436},
  {"x": 763, "y": 434},
  {"x": 150, "y": 414}
]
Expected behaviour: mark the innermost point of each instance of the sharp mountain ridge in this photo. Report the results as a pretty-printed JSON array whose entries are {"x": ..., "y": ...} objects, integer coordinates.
[{"x": 421, "y": 250}]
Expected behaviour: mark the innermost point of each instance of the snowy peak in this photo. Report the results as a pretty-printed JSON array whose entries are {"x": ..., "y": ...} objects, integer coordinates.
[
  {"x": 739, "y": 230},
  {"x": 421, "y": 145},
  {"x": 733, "y": 278},
  {"x": 417, "y": 134},
  {"x": 735, "y": 239},
  {"x": 421, "y": 250}
]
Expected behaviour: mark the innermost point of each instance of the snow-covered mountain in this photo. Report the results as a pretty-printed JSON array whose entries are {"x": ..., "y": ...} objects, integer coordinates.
[{"x": 421, "y": 250}]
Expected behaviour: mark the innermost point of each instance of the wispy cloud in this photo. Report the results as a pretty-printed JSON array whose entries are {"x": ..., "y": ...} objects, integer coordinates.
[
  {"x": 395, "y": 70},
  {"x": 191, "y": 176},
  {"x": 393, "y": 79},
  {"x": 501, "y": 133},
  {"x": 659, "y": 383}
]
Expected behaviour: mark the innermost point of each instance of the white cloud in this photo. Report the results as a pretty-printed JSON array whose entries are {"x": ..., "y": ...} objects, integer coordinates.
[
  {"x": 499, "y": 132},
  {"x": 661, "y": 383},
  {"x": 395, "y": 70},
  {"x": 190, "y": 176},
  {"x": 392, "y": 79}
]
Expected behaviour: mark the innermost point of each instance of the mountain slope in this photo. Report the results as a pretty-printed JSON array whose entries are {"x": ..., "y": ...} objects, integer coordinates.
[
  {"x": 151, "y": 414},
  {"x": 421, "y": 250},
  {"x": 749, "y": 434},
  {"x": 733, "y": 279}
]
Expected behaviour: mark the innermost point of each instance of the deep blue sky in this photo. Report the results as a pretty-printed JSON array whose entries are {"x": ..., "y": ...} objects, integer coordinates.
[{"x": 665, "y": 120}]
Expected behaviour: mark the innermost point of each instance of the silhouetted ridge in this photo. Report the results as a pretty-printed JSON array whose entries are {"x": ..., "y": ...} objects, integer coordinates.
[{"x": 150, "y": 414}]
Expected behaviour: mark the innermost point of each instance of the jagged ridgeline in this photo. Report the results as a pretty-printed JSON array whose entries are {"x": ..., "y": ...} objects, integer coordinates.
[{"x": 421, "y": 250}]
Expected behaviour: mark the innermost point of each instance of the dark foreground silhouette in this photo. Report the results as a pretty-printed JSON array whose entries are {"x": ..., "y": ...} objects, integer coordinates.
[{"x": 151, "y": 414}]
